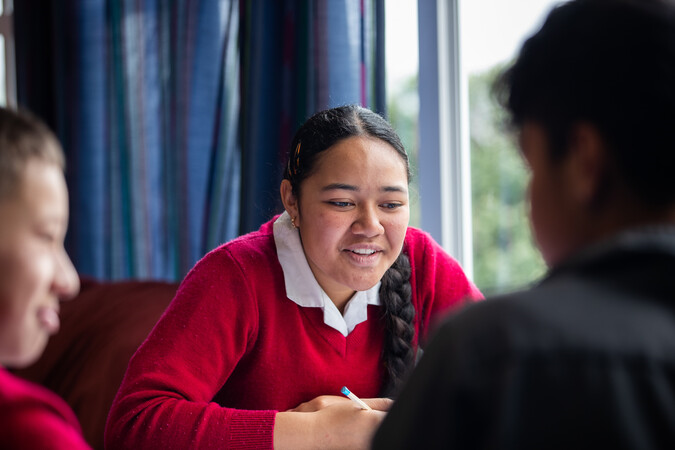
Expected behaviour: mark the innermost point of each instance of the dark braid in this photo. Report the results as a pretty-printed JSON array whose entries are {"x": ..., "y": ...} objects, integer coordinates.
[{"x": 398, "y": 313}]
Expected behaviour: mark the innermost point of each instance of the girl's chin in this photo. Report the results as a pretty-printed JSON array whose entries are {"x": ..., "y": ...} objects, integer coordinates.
[
  {"x": 365, "y": 284},
  {"x": 27, "y": 356}
]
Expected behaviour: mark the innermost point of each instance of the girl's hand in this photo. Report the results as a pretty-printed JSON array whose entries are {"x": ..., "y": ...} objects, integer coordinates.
[
  {"x": 329, "y": 421},
  {"x": 323, "y": 401},
  {"x": 319, "y": 403}
]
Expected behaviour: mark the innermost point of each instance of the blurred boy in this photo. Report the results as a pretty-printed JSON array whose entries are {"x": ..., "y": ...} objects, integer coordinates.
[
  {"x": 35, "y": 273},
  {"x": 585, "y": 359}
]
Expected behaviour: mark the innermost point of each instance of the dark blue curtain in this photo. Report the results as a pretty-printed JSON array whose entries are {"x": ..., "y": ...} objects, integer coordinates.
[
  {"x": 300, "y": 57},
  {"x": 175, "y": 116}
]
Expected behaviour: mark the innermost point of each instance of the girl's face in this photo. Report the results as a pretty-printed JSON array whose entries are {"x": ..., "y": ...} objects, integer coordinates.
[
  {"x": 352, "y": 214},
  {"x": 35, "y": 271}
]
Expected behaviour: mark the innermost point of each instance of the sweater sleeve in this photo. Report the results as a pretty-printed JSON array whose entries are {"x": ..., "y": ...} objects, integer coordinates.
[
  {"x": 165, "y": 399},
  {"x": 438, "y": 280}
]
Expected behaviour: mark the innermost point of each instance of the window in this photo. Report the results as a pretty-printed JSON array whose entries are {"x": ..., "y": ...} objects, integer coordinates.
[
  {"x": 7, "y": 70},
  {"x": 471, "y": 179},
  {"x": 402, "y": 86},
  {"x": 504, "y": 254}
]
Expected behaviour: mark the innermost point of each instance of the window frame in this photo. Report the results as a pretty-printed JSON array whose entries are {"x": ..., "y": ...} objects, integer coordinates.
[
  {"x": 444, "y": 156},
  {"x": 7, "y": 31}
]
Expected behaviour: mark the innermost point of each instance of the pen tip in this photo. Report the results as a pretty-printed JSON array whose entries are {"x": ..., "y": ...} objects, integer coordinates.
[{"x": 345, "y": 390}]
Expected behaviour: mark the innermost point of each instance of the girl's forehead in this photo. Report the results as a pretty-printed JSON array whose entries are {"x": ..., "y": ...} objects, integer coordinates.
[
  {"x": 363, "y": 164},
  {"x": 358, "y": 151}
]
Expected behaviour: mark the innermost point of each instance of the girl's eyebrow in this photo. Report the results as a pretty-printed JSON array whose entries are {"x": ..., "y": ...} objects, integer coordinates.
[
  {"x": 394, "y": 189},
  {"x": 349, "y": 187},
  {"x": 339, "y": 186}
]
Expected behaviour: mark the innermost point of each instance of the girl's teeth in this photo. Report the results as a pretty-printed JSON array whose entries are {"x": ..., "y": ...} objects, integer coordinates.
[{"x": 364, "y": 251}]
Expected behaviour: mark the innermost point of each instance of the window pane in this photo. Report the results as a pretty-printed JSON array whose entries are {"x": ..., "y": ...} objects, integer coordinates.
[
  {"x": 402, "y": 96},
  {"x": 505, "y": 257}
]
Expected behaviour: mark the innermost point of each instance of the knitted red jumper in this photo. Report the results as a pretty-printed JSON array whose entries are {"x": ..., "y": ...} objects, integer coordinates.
[
  {"x": 33, "y": 417},
  {"x": 232, "y": 349}
]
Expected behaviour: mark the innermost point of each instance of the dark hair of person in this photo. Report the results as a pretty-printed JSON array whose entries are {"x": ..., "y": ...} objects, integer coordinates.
[
  {"x": 610, "y": 63},
  {"x": 24, "y": 137},
  {"x": 318, "y": 134}
]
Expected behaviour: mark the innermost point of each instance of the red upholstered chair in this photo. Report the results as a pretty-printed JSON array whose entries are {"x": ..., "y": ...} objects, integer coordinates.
[{"x": 100, "y": 329}]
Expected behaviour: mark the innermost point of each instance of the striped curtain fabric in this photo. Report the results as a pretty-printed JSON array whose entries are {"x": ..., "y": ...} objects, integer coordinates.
[
  {"x": 147, "y": 108},
  {"x": 299, "y": 57},
  {"x": 175, "y": 116}
]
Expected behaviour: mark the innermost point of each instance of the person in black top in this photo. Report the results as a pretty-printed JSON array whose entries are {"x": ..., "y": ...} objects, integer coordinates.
[{"x": 586, "y": 357}]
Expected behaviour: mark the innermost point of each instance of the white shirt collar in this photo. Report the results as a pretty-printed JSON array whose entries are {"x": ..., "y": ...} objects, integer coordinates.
[{"x": 303, "y": 289}]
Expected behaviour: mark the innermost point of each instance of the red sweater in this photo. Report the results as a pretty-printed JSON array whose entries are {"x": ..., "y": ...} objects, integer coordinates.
[
  {"x": 32, "y": 417},
  {"x": 232, "y": 349}
]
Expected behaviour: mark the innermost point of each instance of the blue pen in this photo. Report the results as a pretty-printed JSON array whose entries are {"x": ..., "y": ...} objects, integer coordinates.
[{"x": 355, "y": 399}]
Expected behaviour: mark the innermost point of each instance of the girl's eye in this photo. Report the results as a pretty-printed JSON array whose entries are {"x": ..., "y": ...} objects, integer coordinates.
[
  {"x": 341, "y": 204},
  {"x": 391, "y": 205}
]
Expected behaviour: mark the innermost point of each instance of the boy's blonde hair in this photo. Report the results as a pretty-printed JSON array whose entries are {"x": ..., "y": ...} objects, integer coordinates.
[{"x": 24, "y": 137}]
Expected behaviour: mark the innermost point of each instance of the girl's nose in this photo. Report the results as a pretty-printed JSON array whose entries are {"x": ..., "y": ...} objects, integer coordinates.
[
  {"x": 368, "y": 223},
  {"x": 66, "y": 280}
]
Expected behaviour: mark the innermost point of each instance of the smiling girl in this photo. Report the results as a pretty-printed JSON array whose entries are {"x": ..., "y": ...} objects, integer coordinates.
[
  {"x": 35, "y": 274},
  {"x": 266, "y": 329}
]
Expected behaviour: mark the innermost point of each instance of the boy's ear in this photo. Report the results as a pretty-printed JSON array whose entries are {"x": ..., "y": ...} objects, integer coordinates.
[
  {"x": 288, "y": 199},
  {"x": 588, "y": 164}
]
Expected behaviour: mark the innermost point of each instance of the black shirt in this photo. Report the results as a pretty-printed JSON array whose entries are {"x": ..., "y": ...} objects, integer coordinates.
[{"x": 585, "y": 359}]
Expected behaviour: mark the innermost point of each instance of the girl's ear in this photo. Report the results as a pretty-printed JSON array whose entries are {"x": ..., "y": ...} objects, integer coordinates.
[{"x": 288, "y": 199}]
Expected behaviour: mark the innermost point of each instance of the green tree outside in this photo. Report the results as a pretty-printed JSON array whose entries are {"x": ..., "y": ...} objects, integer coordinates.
[{"x": 505, "y": 257}]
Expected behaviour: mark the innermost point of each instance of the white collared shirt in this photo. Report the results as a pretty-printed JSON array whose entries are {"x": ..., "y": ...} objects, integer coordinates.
[{"x": 303, "y": 289}]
